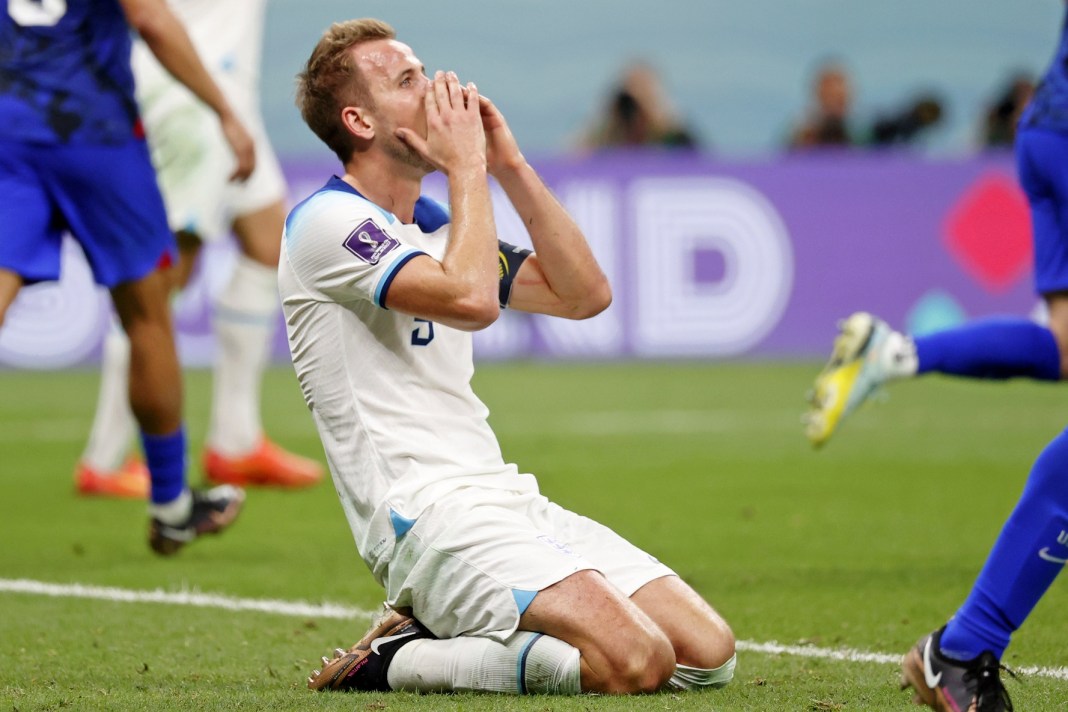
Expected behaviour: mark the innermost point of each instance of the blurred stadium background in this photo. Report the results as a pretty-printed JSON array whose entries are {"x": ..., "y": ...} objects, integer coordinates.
[
  {"x": 738, "y": 70},
  {"x": 743, "y": 251}
]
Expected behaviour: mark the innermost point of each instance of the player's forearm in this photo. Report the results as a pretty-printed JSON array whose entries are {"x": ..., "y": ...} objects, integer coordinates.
[
  {"x": 166, "y": 37},
  {"x": 568, "y": 264},
  {"x": 470, "y": 260}
]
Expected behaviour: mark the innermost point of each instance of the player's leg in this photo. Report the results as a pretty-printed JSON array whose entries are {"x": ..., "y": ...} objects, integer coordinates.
[
  {"x": 1030, "y": 552},
  {"x": 259, "y": 233},
  {"x": 10, "y": 284},
  {"x": 1028, "y": 555},
  {"x": 245, "y": 318},
  {"x": 30, "y": 248},
  {"x": 580, "y": 634},
  {"x": 521, "y": 610},
  {"x": 399, "y": 653},
  {"x": 1057, "y": 306},
  {"x": 702, "y": 640},
  {"x": 867, "y": 353},
  {"x": 106, "y": 467},
  {"x": 122, "y": 228},
  {"x": 155, "y": 390},
  {"x": 622, "y": 649},
  {"x": 155, "y": 383},
  {"x": 172, "y": 118}
]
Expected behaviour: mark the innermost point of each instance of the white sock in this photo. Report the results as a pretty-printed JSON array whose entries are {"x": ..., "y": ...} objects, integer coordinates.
[
  {"x": 898, "y": 356},
  {"x": 113, "y": 422},
  {"x": 691, "y": 678},
  {"x": 549, "y": 665},
  {"x": 244, "y": 323},
  {"x": 174, "y": 512}
]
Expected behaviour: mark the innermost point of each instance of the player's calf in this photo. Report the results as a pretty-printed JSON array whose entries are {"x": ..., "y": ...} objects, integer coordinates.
[
  {"x": 398, "y": 653},
  {"x": 10, "y": 283}
]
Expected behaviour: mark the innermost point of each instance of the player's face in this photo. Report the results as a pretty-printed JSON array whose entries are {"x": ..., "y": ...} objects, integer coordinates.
[{"x": 397, "y": 81}]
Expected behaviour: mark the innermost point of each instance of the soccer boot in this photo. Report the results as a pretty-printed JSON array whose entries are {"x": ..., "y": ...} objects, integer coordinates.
[
  {"x": 949, "y": 685},
  {"x": 268, "y": 464},
  {"x": 212, "y": 511},
  {"x": 130, "y": 481},
  {"x": 855, "y": 371},
  {"x": 364, "y": 665}
]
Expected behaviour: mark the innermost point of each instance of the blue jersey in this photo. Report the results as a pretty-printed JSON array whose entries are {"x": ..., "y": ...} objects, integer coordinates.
[
  {"x": 65, "y": 72},
  {"x": 1049, "y": 106}
]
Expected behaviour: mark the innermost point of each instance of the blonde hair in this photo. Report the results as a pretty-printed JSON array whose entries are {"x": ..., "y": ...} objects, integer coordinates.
[{"x": 331, "y": 81}]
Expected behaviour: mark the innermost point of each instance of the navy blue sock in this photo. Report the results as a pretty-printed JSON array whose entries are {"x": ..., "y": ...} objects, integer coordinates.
[
  {"x": 165, "y": 457},
  {"x": 1030, "y": 552},
  {"x": 992, "y": 348}
]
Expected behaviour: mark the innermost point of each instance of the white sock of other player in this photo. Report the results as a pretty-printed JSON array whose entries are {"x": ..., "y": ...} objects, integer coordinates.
[
  {"x": 175, "y": 512},
  {"x": 691, "y": 678},
  {"x": 244, "y": 323},
  {"x": 528, "y": 663},
  {"x": 898, "y": 356},
  {"x": 113, "y": 422}
]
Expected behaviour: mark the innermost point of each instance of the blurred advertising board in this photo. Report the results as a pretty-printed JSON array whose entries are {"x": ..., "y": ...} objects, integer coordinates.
[{"x": 708, "y": 259}]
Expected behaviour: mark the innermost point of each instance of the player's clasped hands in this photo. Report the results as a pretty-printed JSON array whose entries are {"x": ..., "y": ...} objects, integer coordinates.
[
  {"x": 455, "y": 138},
  {"x": 502, "y": 151}
]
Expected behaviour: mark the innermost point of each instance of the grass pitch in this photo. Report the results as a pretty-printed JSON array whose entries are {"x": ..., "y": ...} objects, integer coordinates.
[{"x": 865, "y": 545}]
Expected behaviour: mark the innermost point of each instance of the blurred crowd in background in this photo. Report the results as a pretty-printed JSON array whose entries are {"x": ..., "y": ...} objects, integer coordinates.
[
  {"x": 728, "y": 80},
  {"x": 638, "y": 112}
]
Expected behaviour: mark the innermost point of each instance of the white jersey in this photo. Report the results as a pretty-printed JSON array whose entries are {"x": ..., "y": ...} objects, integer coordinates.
[
  {"x": 389, "y": 393},
  {"x": 192, "y": 158}
]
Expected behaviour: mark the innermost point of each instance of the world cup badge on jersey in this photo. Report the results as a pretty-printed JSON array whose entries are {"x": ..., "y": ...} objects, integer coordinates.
[{"x": 369, "y": 242}]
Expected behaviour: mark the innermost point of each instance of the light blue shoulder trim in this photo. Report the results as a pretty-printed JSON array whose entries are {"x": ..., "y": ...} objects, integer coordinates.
[{"x": 401, "y": 525}]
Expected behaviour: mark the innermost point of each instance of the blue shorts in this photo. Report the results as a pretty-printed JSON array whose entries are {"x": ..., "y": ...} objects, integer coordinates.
[
  {"x": 1042, "y": 161},
  {"x": 105, "y": 196}
]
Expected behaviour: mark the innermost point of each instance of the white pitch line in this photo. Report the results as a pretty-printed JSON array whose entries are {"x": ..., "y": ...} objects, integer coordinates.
[
  {"x": 183, "y": 598},
  {"x": 860, "y": 656},
  {"x": 807, "y": 651},
  {"x": 333, "y": 610}
]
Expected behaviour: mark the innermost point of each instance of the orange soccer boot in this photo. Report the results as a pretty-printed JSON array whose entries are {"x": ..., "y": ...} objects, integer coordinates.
[
  {"x": 268, "y": 465},
  {"x": 130, "y": 481}
]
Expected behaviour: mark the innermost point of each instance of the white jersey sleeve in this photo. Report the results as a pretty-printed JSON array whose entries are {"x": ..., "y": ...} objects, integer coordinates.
[{"x": 342, "y": 248}]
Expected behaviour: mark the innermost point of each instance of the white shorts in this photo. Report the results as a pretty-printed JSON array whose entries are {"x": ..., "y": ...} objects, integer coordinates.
[
  {"x": 192, "y": 159},
  {"x": 474, "y": 560}
]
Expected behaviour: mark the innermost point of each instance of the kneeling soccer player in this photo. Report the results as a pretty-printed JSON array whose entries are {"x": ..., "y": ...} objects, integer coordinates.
[{"x": 490, "y": 585}]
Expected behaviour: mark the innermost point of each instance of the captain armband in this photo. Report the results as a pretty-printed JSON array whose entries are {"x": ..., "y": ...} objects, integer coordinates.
[{"x": 509, "y": 258}]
